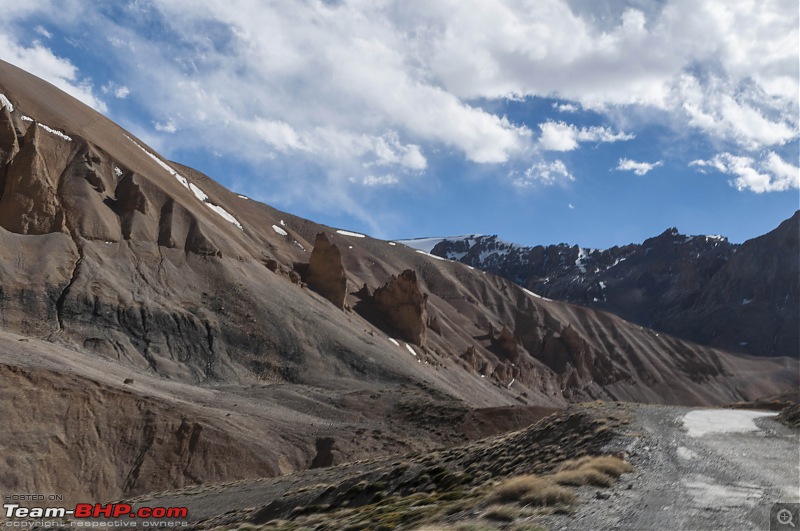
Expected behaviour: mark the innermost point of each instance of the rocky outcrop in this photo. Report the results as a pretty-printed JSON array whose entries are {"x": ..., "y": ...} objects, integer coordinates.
[
  {"x": 326, "y": 273},
  {"x": 8, "y": 140},
  {"x": 30, "y": 203},
  {"x": 433, "y": 324},
  {"x": 470, "y": 357},
  {"x": 505, "y": 344},
  {"x": 404, "y": 307}
]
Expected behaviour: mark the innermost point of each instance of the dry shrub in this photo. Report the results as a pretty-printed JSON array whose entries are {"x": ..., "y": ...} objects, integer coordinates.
[
  {"x": 599, "y": 471},
  {"x": 505, "y": 513},
  {"x": 531, "y": 490},
  {"x": 552, "y": 495},
  {"x": 611, "y": 465},
  {"x": 583, "y": 476}
]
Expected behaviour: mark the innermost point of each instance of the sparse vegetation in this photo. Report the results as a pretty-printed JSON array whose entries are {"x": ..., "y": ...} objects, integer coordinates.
[
  {"x": 607, "y": 464},
  {"x": 598, "y": 471},
  {"x": 532, "y": 490},
  {"x": 504, "y": 482},
  {"x": 506, "y": 513},
  {"x": 583, "y": 476}
]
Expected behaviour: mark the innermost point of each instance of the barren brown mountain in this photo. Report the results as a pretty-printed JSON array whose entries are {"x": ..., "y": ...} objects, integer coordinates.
[{"x": 159, "y": 330}]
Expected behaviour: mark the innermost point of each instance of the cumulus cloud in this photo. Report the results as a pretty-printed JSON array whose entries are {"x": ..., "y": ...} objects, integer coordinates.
[
  {"x": 560, "y": 136},
  {"x": 545, "y": 173},
  {"x": 743, "y": 116},
  {"x": 769, "y": 174},
  {"x": 118, "y": 91},
  {"x": 353, "y": 92},
  {"x": 639, "y": 168},
  {"x": 166, "y": 127},
  {"x": 566, "y": 107}
]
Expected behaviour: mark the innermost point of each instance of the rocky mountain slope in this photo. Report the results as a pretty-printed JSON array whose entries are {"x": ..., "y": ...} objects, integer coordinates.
[
  {"x": 134, "y": 287},
  {"x": 741, "y": 298}
]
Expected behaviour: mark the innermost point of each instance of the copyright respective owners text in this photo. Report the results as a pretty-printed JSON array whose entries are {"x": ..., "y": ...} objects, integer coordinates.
[
  {"x": 784, "y": 516},
  {"x": 45, "y": 511}
]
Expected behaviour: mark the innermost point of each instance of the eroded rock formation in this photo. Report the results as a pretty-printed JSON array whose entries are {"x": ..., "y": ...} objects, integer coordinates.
[
  {"x": 404, "y": 307},
  {"x": 326, "y": 273}
]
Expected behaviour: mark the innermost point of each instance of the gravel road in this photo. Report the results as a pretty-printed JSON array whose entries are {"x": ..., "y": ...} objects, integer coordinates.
[{"x": 696, "y": 469}]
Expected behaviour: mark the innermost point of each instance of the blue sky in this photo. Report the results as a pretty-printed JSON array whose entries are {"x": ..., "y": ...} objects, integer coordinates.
[{"x": 592, "y": 122}]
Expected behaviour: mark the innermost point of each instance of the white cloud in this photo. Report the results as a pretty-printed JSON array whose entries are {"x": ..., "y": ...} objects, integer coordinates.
[
  {"x": 737, "y": 115},
  {"x": 43, "y": 32},
  {"x": 388, "y": 150},
  {"x": 360, "y": 89},
  {"x": 571, "y": 206},
  {"x": 566, "y": 107},
  {"x": 770, "y": 174},
  {"x": 546, "y": 173},
  {"x": 639, "y": 168},
  {"x": 166, "y": 127},
  {"x": 560, "y": 136},
  {"x": 42, "y": 62},
  {"x": 118, "y": 91},
  {"x": 379, "y": 180}
]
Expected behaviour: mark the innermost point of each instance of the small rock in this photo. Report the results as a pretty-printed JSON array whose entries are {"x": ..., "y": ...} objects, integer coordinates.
[
  {"x": 602, "y": 495},
  {"x": 128, "y": 381}
]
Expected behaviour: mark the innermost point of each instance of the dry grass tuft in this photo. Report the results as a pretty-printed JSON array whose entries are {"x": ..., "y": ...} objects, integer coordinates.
[
  {"x": 583, "y": 476},
  {"x": 600, "y": 471},
  {"x": 553, "y": 495},
  {"x": 531, "y": 490},
  {"x": 611, "y": 465},
  {"x": 505, "y": 513}
]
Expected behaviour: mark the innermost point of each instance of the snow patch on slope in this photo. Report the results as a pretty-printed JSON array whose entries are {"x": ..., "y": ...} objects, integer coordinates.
[
  {"x": 529, "y": 292},
  {"x": 5, "y": 103},
  {"x": 55, "y": 132},
  {"x": 224, "y": 214},
  {"x": 348, "y": 233},
  {"x": 198, "y": 193},
  {"x": 432, "y": 255},
  {"x": 279, "y": 230},
  {"x": 50, "y": 130}
]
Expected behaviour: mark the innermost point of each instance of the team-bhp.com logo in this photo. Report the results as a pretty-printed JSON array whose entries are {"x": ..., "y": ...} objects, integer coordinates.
[{"x": 86, "y": 511}]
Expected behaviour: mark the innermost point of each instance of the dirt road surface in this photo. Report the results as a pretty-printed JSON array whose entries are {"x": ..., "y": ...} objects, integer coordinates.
[{"x": 697, "y": 469}]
